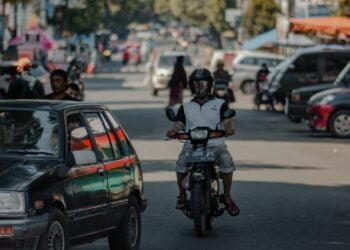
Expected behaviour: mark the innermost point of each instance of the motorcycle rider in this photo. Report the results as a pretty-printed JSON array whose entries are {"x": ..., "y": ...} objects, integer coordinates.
[
  {"x": 222, "y": 75},
  {"x": 25, "y": 86},
  {"x": 205, "y": 110},
  {"x": 261, "y": 76}
]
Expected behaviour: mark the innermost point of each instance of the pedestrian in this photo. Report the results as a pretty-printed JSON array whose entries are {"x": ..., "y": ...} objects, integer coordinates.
[
  {"x": 58, "y": 79},
  {"x": 177, "y": 82},
  {"x": 25, "y": 86}
]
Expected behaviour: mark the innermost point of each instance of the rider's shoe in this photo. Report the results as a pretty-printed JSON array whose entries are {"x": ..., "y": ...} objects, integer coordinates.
[
  {"x": 231, "y": 207},
  {"x": 181, "y": 202}
]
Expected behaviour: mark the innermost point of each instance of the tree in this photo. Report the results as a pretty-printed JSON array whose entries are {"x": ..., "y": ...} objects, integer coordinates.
[
  {"x": 260, "y": 16},
  {"x": 344, "y": 8},
  {"x": 202, "y": 13}
]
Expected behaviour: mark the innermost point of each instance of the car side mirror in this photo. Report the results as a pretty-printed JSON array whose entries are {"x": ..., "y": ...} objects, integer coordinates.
[
  {"x": 170, "y": 114},
  {"x": 82, "y": 157}
]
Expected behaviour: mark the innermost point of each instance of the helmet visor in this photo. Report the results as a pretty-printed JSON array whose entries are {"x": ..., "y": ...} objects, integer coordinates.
[{"x": 201, "y": 88}]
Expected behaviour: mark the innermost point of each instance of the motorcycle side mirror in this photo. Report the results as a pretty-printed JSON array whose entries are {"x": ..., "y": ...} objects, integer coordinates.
[
  {"x": 170, "y": 114},
  {"x": 229, "y": 113}
]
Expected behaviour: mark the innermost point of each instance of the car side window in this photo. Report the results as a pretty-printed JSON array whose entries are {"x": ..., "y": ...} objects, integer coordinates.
[
  {"x": 333, "y": 64},
  {"x": 127, "y": 149},
  {"x": 306, "y": 64},
  {"x": 248, "y": 61},
  {"x": 78, "y": 138},
  {"x": 112, "y": 137},
  {"x": 100, "y": 136}
]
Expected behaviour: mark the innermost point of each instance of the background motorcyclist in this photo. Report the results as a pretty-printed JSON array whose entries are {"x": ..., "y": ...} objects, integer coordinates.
[
  {"x": 221, "y": 76},
  {"x": 261, "y": 77},
  {"x": 205, "y": 110},
  {"x": 25, "y": 86}
]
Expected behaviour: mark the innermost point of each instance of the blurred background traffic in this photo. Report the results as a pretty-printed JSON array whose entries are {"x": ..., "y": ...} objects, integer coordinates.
[{"x": 299, "y": 43}]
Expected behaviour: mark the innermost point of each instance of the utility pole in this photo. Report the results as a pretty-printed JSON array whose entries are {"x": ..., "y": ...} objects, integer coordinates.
[{"x": 2, "y": 26}]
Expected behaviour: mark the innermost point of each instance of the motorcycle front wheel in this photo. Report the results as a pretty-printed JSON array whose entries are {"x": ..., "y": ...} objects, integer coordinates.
[{"x": 200, "y": 216}]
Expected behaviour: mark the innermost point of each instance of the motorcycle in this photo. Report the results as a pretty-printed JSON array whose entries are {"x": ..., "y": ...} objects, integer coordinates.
[
  {"x": 202, "y": 181},
  {"x": 221, "y": 90}
]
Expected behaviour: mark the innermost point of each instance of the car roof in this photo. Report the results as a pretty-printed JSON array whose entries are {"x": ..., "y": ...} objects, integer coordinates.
[
  {"x": 48, "y": 104},
  {"x": 259, "y": 54},
  {"x": 174, "y": 53},
  {"x": 332, "y": 48}
]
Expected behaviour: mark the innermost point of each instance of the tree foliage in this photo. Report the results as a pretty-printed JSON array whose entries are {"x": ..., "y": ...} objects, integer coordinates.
[
  {"x": 344, "y": 8},
  {"x": 202, "y": 13},
  {"x": 260, "y": 16}
]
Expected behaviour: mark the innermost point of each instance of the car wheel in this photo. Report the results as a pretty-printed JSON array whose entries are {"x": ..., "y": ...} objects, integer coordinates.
[
  {"x": 128, "y": 235},
  {"x": 339, "y": 124},
  {"x": 55, "y": 236},
  {"x": 247, "y": 87}
]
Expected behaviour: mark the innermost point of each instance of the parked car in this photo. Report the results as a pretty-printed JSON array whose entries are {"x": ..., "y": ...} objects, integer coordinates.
[
  {"x": 309, "y": 66},
  {"x": 247, "y": 63},
  {"x": 161, "y": 69},
  {"x": 329, "y": 110},
  {"x": 68, "y": 174},
  {"x": 297, "y": 103}
]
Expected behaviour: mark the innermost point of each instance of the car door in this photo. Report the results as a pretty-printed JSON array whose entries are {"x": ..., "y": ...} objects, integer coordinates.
[
  {"x": 120, "y": 171},
  {"x": 89, "y": 183}
]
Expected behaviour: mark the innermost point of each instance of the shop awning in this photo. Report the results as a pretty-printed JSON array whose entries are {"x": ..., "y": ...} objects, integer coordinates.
[
  {"x": 324, "y": 25},
  {"x": 260, "y": 40}
]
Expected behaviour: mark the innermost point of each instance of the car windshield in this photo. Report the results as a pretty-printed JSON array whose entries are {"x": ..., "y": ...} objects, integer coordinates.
[
  {"x": 29, "y": 132},
  {"x": 169, "y": 61}
]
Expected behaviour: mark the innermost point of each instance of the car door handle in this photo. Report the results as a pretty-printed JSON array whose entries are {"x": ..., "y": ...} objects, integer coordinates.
[{"x": 100, "y": 171}]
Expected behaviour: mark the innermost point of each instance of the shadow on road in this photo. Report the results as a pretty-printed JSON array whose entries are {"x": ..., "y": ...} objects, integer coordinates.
[
  {"x": 273, "y": 216},
  {"x": 250, "y": 125}
]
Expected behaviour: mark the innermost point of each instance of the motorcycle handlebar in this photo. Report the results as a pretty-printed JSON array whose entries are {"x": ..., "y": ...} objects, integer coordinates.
[{"x": 187, "y": 135}]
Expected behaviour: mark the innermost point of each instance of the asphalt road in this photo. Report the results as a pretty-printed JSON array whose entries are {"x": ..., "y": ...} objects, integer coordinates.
[{"x": 292, "y": 185}]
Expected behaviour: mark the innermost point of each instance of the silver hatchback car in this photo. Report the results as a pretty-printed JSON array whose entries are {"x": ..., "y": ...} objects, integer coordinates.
[{"x": 161, "y": 69}]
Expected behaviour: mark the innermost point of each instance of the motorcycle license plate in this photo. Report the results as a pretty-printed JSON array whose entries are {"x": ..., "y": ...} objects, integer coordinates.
[{"x": 200, "y": 156}]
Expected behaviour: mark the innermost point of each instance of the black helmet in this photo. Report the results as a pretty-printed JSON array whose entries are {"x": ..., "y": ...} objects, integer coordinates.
[{"x": 201, "y": 74}]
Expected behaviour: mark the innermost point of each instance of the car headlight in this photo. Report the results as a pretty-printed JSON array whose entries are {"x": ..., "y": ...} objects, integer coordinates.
[
  {"x": 327, "y": 99},
  {"x": 12, "y": 202},
  {"x": 199, "y": 134}
]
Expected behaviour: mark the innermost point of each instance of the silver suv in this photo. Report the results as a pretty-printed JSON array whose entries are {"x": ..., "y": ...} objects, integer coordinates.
[{"x": 247, "y": 63}]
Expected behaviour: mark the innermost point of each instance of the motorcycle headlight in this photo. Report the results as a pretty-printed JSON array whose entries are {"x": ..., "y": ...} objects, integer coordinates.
[
  {"x": 199, "y": 134},
  {"x": 12, "y": 202}
]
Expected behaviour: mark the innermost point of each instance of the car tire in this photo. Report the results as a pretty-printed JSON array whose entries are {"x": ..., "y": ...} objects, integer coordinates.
[
  {"x": 339, "y": 124},
  {"x": 247, "y": 87},
  {"x": 128, "y": 235},
  {"x": 55, "y": 236}
]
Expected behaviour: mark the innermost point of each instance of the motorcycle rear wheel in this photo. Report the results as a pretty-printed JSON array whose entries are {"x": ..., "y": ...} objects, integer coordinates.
[{"x": 200, "y": 216}]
